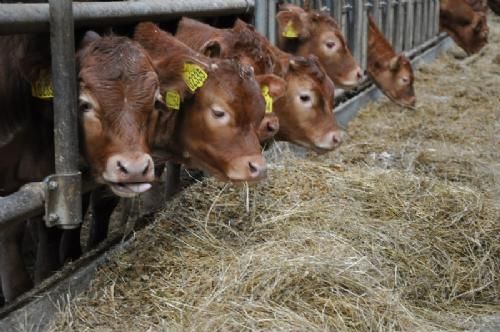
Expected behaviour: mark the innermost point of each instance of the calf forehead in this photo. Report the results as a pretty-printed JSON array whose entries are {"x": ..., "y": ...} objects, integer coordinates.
[{"x": 118, "y": 73}]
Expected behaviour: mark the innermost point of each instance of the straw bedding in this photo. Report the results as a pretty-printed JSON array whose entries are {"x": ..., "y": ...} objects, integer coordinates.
[{"x": 396, "y": 230}]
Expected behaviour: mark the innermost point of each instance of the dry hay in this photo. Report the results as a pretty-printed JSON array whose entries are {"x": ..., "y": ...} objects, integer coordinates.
[{"x": 397, "y": 230}]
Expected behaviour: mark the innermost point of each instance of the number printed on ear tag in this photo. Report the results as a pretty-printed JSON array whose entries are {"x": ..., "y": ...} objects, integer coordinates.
[
  {"x": 42, "y": 88},
  {"x": 194, "y": 76},
  {"x": 267, "y": 98},
  {"x": 173, "y": 100},
  {"x": 289, "y": 31}
]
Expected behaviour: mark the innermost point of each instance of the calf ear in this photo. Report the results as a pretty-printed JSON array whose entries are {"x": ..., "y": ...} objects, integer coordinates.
[
  {"x": 212, "y": 49},
  {"x": 239, "y": 25},
  {"x": 89, "y": 37},
  {"x": 277, "y": 85},
  {"x": 291, "y": 25},
  {"x": 395, "y": 63}
]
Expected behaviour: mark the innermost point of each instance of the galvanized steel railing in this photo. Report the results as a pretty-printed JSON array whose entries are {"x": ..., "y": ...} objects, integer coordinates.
[{"x": 407, "y": 24}]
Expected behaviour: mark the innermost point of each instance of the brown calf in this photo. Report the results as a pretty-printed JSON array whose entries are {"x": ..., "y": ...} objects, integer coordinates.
[
  {"x": 213, "y": 126},
  {"x": 392, "y": 73},
  {"x": 467, "y": 27},
  {"x": 114, "y": 113},
  {"x": 305, "y": 111},
  {"x": 310, "y": 32}
]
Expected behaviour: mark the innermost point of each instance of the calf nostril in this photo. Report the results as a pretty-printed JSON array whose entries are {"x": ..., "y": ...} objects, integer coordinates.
[
  {"x": 253, "y": 168},
  {"x": 336, "y": 138},
  {"x": 359, "y": 75},
  {"x": 271, "y": 127},
  {"x": 146, "y": 169},
  {"x": 121, "y": 167}
]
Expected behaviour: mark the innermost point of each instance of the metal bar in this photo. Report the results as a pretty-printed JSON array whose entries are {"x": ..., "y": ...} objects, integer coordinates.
[
  {"x": 425, "y": 19},
  {"x": 399, "y": 26},
  {"x": 68, "y": 205},
  {"x": 436, "y": 16},
  {"x": 24, "y": 18},
  {"x": 364, "y": 34},
  {"x": 417, "y": 35},
  {"x": 25, "y": 203},
  {"x": 376, "y": 12},
  {"x": 271, "y": 23},
  {"x": 357, "y": 30},
  {"x": 408, "y": 39},
  {"x": 389, "y": 21},
  {"x": 261, "y": 16},
  {"x": 337, "y": 8}
]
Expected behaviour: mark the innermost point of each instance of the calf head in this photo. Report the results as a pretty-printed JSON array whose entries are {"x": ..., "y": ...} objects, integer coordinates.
[
  {"x": 118, "y": 85},
  {"x": 395, "y": 78},
  {"x": 467, "y": 27},
  {"x": 306, "y": 111},
  {"x": 216, "y": 126},
  {"x": 311, "y": 32}
]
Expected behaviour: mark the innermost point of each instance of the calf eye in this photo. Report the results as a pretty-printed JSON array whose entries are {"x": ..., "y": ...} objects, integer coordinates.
[
  {"x": 405, "y": 80},
  {"x": 330, "y": 44},
  {"x": 85, "y": 106},
  {"x": 218, "y": 114},
  {"x": 305, "y": 98}
]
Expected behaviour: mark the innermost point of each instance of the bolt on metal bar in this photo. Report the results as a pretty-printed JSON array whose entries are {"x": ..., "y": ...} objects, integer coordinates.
[
  {"x": 68, "y": 206},
  {"x": 34, "y": 17}
]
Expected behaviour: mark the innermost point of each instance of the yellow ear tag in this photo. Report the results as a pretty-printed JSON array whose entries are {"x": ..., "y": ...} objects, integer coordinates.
[
  {"x": 42, "y": 88},
  {"x": 173, "y": 100},
  {"x": 267, "y": 98},
  {"x": 194, "y": 76},
  {"x": 289, "y": 31}
]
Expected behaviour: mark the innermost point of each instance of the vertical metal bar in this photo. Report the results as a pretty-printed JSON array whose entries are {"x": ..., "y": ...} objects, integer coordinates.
[
  {"x": 425, "y": 19},
  {"x": 436, "y": 16},
  {"x": 261, "y": 16},
  {"x": 62, "y": 43},
  {"x": 408, "y": 41},
  {"x": 376, "y": 12},
  {"x": 357, "y": 30},
  {"x": 399, "y": 26},
  {"x": 271, "y": 22},
  {"x": 389, "y": 21},
  {"x": 338, "y": 6},
  {"x": 364, "y": 34},
  {"x": 418, "y": 23}
]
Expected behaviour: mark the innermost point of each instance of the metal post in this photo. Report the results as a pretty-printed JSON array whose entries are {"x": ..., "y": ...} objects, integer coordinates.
[
  {"x": 65, "y": 210},
  {"x": 408, "y": 39},
  {"x": 25, "y": 203},
  {"x": 357, "y": 30},
  {"x": 399, "y": 26},
  {"x": 425, "y": 20},
  {"x": 417, "y": 36},
  {"x": 364, "y": 34},
  {"x": 389, "y": 21},
  {"x": 271, "y": 22},
  {"x": 436, "y": 16},
  {"x": 376, "y": 12},
  {"x": 337, "y": 7},
  {"x": 261, "y": 16}
]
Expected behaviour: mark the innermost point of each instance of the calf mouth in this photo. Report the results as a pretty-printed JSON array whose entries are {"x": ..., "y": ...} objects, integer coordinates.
[{"x": 128, "y": 190}]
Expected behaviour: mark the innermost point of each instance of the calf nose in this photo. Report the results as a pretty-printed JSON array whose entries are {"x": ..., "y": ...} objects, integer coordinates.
[
  {"x": 359, "y": 74},
  {"x": 269, "y": 127},
  {"x": 336, "y": 138},
  {"x": 247, "y": 168},
  {"x": 130, "y": 168}
]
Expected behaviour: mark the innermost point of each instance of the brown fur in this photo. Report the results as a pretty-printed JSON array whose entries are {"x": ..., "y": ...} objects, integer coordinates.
[
  {"x": 387, "y": 69},
  {"x": 467, "y": 27},
  {"x": 314, "y": 30}
]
